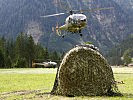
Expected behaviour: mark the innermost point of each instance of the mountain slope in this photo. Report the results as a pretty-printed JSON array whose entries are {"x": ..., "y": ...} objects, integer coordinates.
[
  {"x": 105, "y": 28},
  {"x": 115, "y": 55},
  {"x": 126, "y": 4}
]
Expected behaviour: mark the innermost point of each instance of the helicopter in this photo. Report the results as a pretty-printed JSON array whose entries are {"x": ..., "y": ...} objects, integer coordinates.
[{"x": 75, "y": 22}]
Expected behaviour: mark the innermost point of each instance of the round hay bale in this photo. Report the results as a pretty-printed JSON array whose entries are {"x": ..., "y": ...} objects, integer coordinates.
[{"x": 84, "y": 72}]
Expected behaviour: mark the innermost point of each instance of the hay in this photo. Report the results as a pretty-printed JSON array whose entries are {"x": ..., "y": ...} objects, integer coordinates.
[{"x": 84, "y": 72}]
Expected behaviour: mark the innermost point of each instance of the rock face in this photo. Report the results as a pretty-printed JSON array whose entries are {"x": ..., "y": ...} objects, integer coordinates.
[{"x": 84, "y": 72}]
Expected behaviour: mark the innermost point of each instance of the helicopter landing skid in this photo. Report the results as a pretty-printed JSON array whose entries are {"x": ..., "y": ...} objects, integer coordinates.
[{"x": 66, "y": 33}]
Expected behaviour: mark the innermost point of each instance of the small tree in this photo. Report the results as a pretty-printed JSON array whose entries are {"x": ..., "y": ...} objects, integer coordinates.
[
  {"x": 127, "y": 57},
  {"x": 54, "y": 56}
]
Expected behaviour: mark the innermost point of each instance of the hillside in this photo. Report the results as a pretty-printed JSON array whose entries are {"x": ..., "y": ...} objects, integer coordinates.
[
  {"x": 114, "y": 55},
  {"x": 105, "y": 28},
  {"x": 125, "y": 4}
]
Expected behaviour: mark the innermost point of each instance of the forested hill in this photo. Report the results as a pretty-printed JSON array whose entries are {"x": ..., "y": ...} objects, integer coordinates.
[
  {"x": 105, "y": 28},
  {"x": 116, "y": 54}
]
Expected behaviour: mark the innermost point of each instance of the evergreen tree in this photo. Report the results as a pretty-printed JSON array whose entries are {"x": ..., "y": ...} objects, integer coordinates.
[
  {"x": 9, "y": 53},
  {"x": 20, "y": 46},
  {"x": 39, "y": 52},
  {"x": 25, "y": 49},
  {"x": 20, "y": 49},
  {"x": 2, "y": 63},
  {"x": 46, "y": 55},
  {"x": 3, "y": 45},
  {"x": 30, "y": 50},
  {"x": 8, "y": 62},
  {"x": 62, "y": 55},
  {"x": 127, "y": 57},
  {"x": 22, "y": 52},
  {"x": 54, "y": 56},
  {"x": 20, "y": 63}
]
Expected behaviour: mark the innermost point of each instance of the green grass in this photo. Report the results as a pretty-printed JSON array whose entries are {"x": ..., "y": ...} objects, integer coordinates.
[
  {"x": 32, "y": 84},
  {"x": 16, "y": 82},
  {"x": 126, "y": 88},
  {"x": 27, "y": 80}
]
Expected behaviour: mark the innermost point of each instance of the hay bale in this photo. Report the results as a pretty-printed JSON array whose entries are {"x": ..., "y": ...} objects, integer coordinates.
[{"x": 84, "y": 72}]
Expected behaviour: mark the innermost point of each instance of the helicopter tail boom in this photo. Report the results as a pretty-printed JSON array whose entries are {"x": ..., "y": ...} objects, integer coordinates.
[{"x": 57, "y": 30}]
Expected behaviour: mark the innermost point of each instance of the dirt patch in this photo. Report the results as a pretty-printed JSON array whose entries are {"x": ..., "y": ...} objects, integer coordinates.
[{"x": 5, "y": 95}]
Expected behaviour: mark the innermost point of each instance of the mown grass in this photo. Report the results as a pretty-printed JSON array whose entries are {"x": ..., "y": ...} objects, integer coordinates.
[
  {"x": 33, "y": 84},
  {"x": 16, "y": 82}
]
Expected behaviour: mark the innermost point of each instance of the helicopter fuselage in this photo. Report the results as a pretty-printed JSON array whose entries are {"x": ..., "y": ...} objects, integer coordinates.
[{"x": 74, "y": 23}]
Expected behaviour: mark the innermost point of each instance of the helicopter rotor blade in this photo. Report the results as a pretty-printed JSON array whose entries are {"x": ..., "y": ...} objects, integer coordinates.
[
  {"x": 95, "y": 9},
  {"x": 53, "y": 15},
  {"x": 71, "y": 11}
]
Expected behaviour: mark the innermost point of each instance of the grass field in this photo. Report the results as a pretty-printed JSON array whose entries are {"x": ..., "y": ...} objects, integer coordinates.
[{"x": 35, "y": 84}]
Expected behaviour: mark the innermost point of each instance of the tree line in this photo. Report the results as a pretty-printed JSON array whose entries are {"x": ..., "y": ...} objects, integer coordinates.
[
  {"x": 121, "y": 54},
  {"x": 21, "y": 53}
]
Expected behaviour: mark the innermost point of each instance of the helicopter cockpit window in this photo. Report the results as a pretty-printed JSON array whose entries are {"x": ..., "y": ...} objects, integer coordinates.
[
  {"x": 70, "y": 19},
  {"x": 74, "y": 21}
]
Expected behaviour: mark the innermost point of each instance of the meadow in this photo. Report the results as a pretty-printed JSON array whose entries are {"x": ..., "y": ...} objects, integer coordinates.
[{"x": 36, "y": 84}]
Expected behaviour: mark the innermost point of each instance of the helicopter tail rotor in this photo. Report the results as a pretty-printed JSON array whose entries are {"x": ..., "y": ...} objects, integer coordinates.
[{"x": 58, "y": 31}]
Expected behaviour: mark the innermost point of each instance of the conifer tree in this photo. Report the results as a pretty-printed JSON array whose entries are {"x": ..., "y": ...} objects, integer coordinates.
[
  {"x": 20, "y": 49},
  {"x": 2, "y": 63},
  {"x": 55, "y": 56},
  {"x": 30, "y": 49},
  {"x": 20, "y": 46},
  {"x": 39, "y": 52},
  {"x": 46, "y": 55},
  {"x": 127, "y": 57}
]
